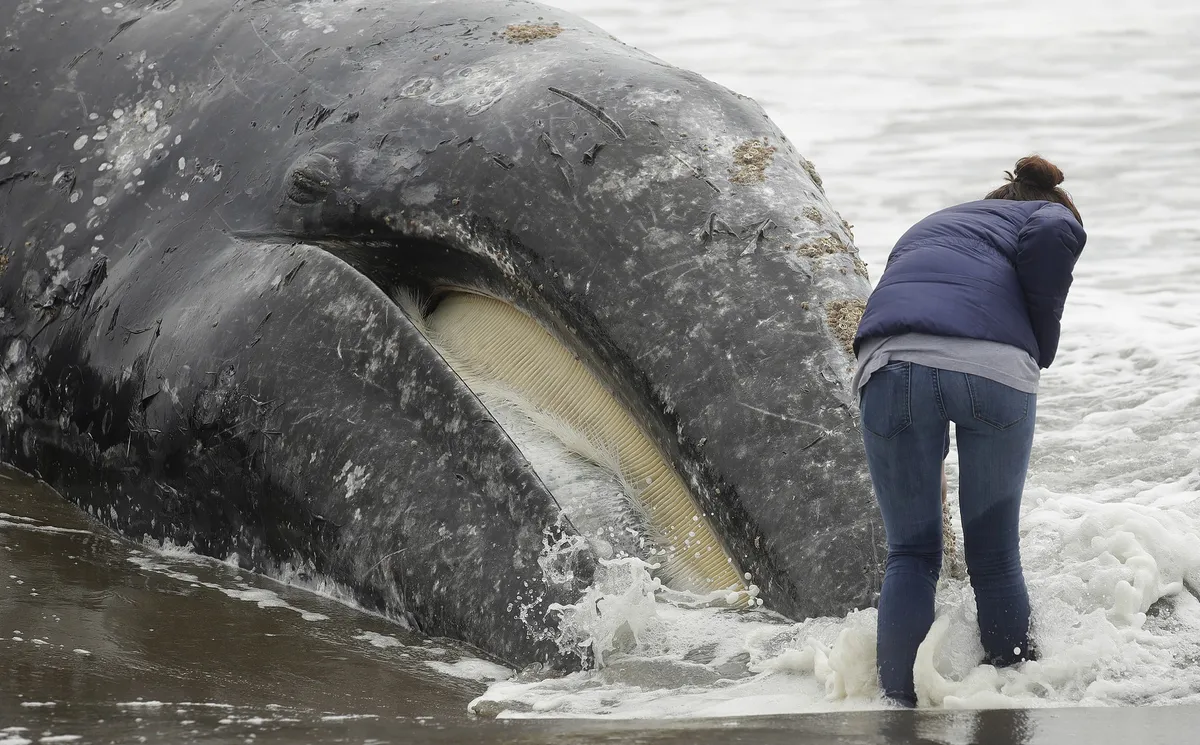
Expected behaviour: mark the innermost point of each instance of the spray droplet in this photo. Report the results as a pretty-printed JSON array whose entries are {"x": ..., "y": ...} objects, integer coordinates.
[
  {"x": 79, "y": 143},
  {"x": 100, "y": 201}
]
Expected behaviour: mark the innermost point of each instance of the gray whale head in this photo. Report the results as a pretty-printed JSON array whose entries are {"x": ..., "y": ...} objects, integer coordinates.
[{"x": 413, "y": 230}]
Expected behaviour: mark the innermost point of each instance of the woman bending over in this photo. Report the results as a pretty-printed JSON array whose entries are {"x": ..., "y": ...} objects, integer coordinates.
[{"x": 963, "y": 319}]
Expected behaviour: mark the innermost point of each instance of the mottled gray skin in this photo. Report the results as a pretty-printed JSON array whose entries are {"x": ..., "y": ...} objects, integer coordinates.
[{"x": 199, "y": 336}]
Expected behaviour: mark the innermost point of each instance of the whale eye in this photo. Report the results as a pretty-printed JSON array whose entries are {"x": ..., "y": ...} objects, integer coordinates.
[{"x": 311, "y": 179}]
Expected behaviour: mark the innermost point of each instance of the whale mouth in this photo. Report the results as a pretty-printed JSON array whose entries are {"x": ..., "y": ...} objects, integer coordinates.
[{"x": 539, "y": 390}]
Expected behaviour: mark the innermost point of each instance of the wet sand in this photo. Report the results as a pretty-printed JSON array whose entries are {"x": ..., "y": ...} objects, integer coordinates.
[
  {"x": 107, "y": 641},
  {"x": 85, "y": 624}
]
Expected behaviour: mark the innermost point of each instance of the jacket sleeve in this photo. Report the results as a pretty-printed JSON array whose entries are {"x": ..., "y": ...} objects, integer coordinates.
[{"x": 1047, "y": 248}]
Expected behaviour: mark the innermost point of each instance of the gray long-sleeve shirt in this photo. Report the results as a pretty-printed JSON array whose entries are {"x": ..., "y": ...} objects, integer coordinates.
[{"x": 1002, "y": 363}]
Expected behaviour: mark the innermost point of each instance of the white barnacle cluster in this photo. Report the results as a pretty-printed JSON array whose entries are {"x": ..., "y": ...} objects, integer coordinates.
[
  {"x": 135, "y": 134},
  {"x": 353, "y": 478},
  {"x": 122, "y": 141},
  {"x": 127, "y": 140},
  {"x": 17, "y": 375},
  {"x": 477, "y": 88},
  {"x": 13, "y": 138},
  {"x": 316, "y": 21}
]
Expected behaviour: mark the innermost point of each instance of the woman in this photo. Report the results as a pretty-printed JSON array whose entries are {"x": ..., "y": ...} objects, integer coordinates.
[{"x": 964, "y": 317}]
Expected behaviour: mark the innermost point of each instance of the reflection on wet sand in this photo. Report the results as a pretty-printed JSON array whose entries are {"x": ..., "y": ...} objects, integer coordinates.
[{"x": 89, "y": 619}]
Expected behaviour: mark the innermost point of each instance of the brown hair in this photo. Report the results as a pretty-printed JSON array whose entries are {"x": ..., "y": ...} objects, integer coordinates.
[{"x": 1035, "y": 179}]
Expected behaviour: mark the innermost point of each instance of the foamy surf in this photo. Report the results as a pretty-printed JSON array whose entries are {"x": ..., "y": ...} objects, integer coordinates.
[{"x": 1113, "y": 620}]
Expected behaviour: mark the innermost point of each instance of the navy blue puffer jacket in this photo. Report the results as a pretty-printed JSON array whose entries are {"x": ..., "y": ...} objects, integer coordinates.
[{"x": 995, "y": 269}]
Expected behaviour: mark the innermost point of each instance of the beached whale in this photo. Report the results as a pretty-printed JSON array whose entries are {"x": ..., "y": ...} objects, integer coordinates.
[{"x": 319, "y": 284}]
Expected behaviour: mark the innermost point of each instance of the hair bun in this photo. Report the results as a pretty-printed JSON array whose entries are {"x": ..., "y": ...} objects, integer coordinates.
[{"x": 1037, "y": 171}]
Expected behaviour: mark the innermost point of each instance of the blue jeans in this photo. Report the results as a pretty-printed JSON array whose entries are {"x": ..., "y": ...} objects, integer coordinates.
[{"x": 906, "y": 409}]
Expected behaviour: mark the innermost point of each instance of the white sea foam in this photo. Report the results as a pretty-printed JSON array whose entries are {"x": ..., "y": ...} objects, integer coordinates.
[
  {"x": 382, "y": 641},
  {"x": 27, "y": 524},
  {"x": 262, "y": 598},
  {"x": 471, "y": 669},
  {"x": 1110, "y": 531},
  {"x": 347, "y": 717}
]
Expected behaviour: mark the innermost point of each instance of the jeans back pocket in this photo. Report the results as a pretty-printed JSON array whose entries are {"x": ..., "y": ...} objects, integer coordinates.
[
  {"x": 996, "y": 404},
  {"x": 885, "y": 400}
]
